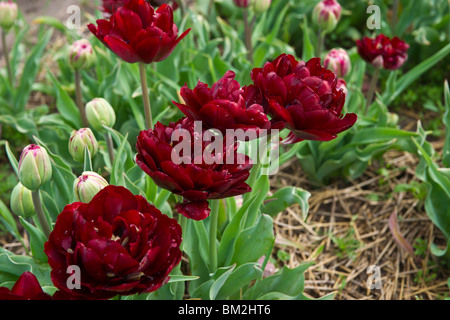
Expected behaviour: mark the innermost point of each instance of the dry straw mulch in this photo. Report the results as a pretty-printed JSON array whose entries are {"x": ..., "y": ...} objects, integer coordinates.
[{"x": 347, "y": 231}]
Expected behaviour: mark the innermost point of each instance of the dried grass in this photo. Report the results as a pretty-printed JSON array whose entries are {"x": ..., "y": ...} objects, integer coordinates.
[{"x": 345, "y": 213}]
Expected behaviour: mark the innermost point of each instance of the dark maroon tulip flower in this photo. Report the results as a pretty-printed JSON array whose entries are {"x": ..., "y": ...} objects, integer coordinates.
[
  {"x": 109, "y": 6},
  {"x": 138, "y": 33},
  {"x": 242, "y": 3},
  {"x": 27, "y": 287},
  {"x": 121, "y": 243},
  {"x": 383, "y": 52},
  {"x": 188, "y": 173},
  {"x": 225, "y": 105},
  {"x": 304, "y": 96},
  {"x": 157, "y": 3}
]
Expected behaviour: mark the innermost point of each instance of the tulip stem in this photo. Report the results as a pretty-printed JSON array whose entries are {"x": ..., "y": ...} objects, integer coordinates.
[
  {"x": 40, "y": 212},
  {"x": 254, "y": 174},
  {"x": 371, "y": 92},
  {"x": 320, "y": 43},
  {"x": 147, "y": 107},
  {"x": 394, "y": 15},
  {"x": 248, "y": 36},
  {"x": 162, "y": 197},
  {"x": 180, "y": 286},
  {"x": 210, "y": 8},
  {"x": 8, "y": 63},
  {"x": 79, "y": 99},
  {"x": 214, "y": 216},
  {"x": 110, "y": 147},
  {"x": 182, "y": 6}
]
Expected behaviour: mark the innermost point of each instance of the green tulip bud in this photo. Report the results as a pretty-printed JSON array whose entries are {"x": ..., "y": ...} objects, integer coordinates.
[
  {"x": 99, "y": 112},
  {"x": 259, "y": 6},
  {"x": 81, "y": 54},
  {"x": 88, "y": 185},
  {"x": 22, "y": 201},
  {"x": 8, "y": 14},
  {"x": 392, "y": 119},
  {"x": 81, "y": 139},
  {"x": 35, "y": 167}
]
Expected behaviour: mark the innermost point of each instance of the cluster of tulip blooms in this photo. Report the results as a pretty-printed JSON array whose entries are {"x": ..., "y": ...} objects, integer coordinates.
[{"x": 122, "y": 243}]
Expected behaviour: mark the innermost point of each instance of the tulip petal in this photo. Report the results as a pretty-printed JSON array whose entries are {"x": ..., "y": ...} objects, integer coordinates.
[
  {"x": 122, "y": 49},
  {"x": 198, "y": 210}
]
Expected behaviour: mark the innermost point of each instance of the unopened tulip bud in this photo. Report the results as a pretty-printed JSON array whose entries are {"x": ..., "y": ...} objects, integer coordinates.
[
  {"x": 99, "y": 112},
  {"x": 81, "y": 54},
  {"x": 35, "y": 167},
  {"x": 22, "y": 201},
  {"x": 8, "y": 14},
  {"x": 341, "y": 84},
  {"x": 88, "y": 185},
  {"x": 81, "y": 139},
  {"x": 259, "y": 6},
  {"x": 392, "y": 119},
  {"x": 338, "y": 61},
  {"x": 242, "y": 3},
  {"x": 326, "y": 15}
]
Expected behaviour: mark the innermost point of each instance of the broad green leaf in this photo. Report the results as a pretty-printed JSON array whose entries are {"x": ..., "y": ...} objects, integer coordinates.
[
  {"x": 11, "y": 157},
  {"x": 308, "y": 48},
  {"x": 379, "y": 134},
  {"x": 61, "y": 184},
  {"x": 8, "y": 220},
  {"x": 238, "y": 281},
  {"x": 217, "y": 285},
  {"x": 65, "y": 104},
  {"x": 31, "y": 68},
  {"x": 260, "y": 190},
  {"x": 438, "y": 197},
  {"x": 288, "y": 282},
  {"x": 181, "y": 278},
  {"x": 16, "y": 49},
  {"x": 37, "y": 240},
  {"x": 284, "y": 198},
  {"x": 245, "y": 217},
  {"x": 117, "y": 177},
  {"x": 409, "y": 77},
  {"x": 446, "y": 121},
  {"x": 12, "y": 266},
  {"x": 51, "y": 21},
  {"x": 252, "y": 243},
  {"x": 196, "y": 245}
]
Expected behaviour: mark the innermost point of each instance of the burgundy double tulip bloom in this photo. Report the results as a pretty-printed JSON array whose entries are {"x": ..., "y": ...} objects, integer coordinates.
[
  {"x": 138, "y": 33},
  {"x": 27, "y": 287},
  {"x": 109, "y": 6},
  {"x": 189, "y": 175},
  {"x": 383, "y": 52},
  {"x": 304, "y": 96},
  {"x": 121, "y": 243},
  {"x": 225, "y": 105}
]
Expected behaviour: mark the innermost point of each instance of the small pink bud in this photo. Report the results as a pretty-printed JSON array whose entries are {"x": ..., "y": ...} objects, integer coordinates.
[
  {"x": 326, "y": 15},
  {"x": 81, "y": 55},
  {"x": 35, "y": 167},
  {"x": 8, "y": 14},
  {"x": 86, "y": 186},
  {"x": 259, "y": 6},
  {"x": 270, "y": 268},
  {"x": 81, "y": 139},
  {"x": 242, "y": 3},
  {"x": 341, "y": 84},
  {"x": 338, "y": 61}
]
